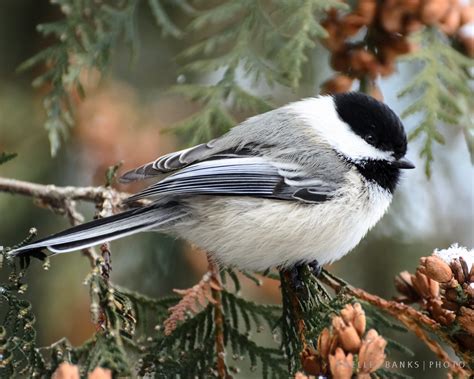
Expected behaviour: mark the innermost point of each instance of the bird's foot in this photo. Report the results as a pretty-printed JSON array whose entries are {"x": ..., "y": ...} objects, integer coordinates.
[
  {"x": 296, "y": 273},
  {"x": 315, "y": 268},
  {"x": 296, "y": 276}
]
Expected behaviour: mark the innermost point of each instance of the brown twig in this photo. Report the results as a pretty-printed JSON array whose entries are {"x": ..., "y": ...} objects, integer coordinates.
[
  {"x": 110, "y": 202},
  {"x": 62, "y": 200},
  {"x": 51, "y": 192},
  {"x": 193, "y": 298},
  {"x": 408, "y": 316},
  {"x": 218, "y": 321}
]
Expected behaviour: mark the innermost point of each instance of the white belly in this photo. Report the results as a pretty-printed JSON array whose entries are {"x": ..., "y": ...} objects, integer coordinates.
[{"x": 256, "y": 234}]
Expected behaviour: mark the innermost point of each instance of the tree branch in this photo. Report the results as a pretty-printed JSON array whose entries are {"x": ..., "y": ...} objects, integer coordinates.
[
  {"x": 295, "y": 309},
  {"x": 53, "y": 193},
  {"x": 62, "y": 200},
  {"x": 219, "y": 321}
]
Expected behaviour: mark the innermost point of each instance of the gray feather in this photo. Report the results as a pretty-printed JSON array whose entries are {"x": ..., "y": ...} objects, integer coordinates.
[
  {"x": 277, "y": 134},
  {"x": 170, "y": 162},
  {"x": 250, "y": 176},
  {"x": 107, "y": 229}
]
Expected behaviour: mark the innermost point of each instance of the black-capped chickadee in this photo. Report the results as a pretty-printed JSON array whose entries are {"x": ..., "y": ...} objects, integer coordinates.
[{"x": 299, "y": 184}]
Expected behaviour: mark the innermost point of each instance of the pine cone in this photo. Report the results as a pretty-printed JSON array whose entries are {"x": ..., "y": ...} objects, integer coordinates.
[
  {"x": 66, "y": 371},
  {"x": 326, "y": 343},
  {"x": 347, "y": 338},
  {"x": 466, "y": 319},
  {"x": 341, "y": 365},
  {"x": 424, "y": 286},
  {"x": 338, "y": 84},
  {"x": 372, "y": 352},
  {"x": 451, "y": 21},
  {"x": 311, "y": 362},
  {"x": 404, "y": 285},
  {"x": 435, "y": 268},
  {"x": 444, "y": 285},
  {"x": 433, "y": 11}
]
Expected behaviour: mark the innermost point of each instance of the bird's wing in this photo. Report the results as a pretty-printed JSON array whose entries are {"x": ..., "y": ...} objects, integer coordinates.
[
  {"x": 242, "y": 176},
  {"x": 172, "y": 161}
]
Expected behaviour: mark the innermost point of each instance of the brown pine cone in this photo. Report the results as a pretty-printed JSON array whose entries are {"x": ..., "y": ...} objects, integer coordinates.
[
  {"x": 432, "y": 11},
  {"x": 341, "y": 365},
  {"x": 436, "y": 269},
  {"x": 338, "y": 84}
]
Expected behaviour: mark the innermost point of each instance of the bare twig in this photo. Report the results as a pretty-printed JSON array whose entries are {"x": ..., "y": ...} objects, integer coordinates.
[
  {"x": 110, "y": 202},
  {"x": 193, "y": 299},
  {"x": 408, "y": 316},
  {"x": 62, "y": 200},
  {"x": 52, "y": 192}
]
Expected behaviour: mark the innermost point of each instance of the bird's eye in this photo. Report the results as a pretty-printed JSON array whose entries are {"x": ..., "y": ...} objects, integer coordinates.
[{"x": 369, "y": 138}]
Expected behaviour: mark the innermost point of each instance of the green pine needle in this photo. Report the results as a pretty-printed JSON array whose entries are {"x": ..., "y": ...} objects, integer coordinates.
[
  {"x": 5, "y": 157},
  {"x": 302, "y": 28},
  {"x": 441, "y": 84},
  {"x": 86, "y": 38}
]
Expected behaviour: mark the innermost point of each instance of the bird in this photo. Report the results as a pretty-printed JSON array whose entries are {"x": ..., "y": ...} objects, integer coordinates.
[{"x": 300, "y": 184}]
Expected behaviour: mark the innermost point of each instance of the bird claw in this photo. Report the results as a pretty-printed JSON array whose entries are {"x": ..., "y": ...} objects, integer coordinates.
[
  {"x": 315, "y": 268},
  {"x": 296, "y": 273}
]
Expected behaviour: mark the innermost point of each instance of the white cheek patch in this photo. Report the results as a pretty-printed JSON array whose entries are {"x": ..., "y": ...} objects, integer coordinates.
[{"x": 321, "y": 114}]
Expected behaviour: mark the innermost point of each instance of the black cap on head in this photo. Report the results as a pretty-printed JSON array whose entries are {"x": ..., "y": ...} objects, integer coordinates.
[{"x": 373, "y": 121}]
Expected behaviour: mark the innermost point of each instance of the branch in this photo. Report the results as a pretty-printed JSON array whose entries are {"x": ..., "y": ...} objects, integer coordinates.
[
  {"x": 62, "y": 200},
  {"x": 408, "y": 316},
  {"x": 295, "y": 309},
  {"x": 193, "y": 298},
  {"x": 222, "y": 372},
  {"x": 52, "y": 193}
]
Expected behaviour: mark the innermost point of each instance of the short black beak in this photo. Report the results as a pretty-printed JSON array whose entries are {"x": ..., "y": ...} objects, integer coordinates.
[{"x": 403, "y": 163}]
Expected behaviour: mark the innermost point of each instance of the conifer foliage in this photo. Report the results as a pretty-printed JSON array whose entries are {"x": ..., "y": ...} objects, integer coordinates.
[{"x": 210, "y": 330}]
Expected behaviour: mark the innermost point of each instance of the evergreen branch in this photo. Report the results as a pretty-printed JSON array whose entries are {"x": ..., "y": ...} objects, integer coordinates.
[
  {"x": 162, "y": 19},
  {"x": 295, "y": 309},
  {"x": 443, "y": 77},
  {"x": 210, "y": 121},
  {"x": 270, "y": 358},
  {"x": 192, "y": 298},
  {"x": 222, "y": 371},
  {"x": 412, "y": 319},
  {"x": 86, "y": 38},
  {"x": 292, "y": 325},
  {"x": 250, "y": 310},
  {"x": 303, "y": 29},
  {"x": 236, "y": 42}
]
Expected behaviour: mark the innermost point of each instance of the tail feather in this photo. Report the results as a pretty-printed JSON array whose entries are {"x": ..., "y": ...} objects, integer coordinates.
[{"x": 102, "y": 230}]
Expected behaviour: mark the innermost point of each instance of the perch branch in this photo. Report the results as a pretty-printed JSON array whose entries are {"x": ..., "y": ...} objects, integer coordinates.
[
  {"x": 295, "y": 310},
  {"x": 218, "y": 320},
  {"x": 62, "y": 200},
  {"x": 408, "y": 316},
  {"x": 52, "y": 193}
]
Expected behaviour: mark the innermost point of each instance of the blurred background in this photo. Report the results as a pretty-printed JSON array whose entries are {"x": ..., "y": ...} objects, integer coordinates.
[{"x": 132, "y": 105}]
